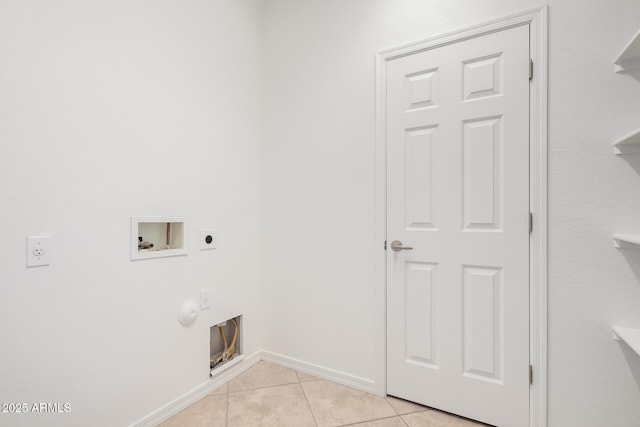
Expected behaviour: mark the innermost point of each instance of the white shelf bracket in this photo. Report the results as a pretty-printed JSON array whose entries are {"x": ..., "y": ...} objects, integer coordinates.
[
  {"x": 626, "y": 241},
  {"x": 629, "y": 58},
  {"x": 630, "y": 336}
]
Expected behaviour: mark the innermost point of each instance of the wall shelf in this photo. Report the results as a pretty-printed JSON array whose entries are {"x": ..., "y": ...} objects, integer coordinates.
[
  {"x": 628, "y": 61},
  {"x": 628, "y": 144},
  {"x": 629, "y": 241},
  {"x": 629, "y": 58},
  {"x": 631, "y": 336}
]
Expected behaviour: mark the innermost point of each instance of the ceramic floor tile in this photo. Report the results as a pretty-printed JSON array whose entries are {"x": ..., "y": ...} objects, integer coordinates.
[
  {"x": 404, "y": 406},
  {"x": 220, "y": 390},
  {"x": 386, "y": 422},
  {"x": 335, "y": 404},
  {"x": 263, "y": 374},
  {"x": 306, "y": 377},
  {"x": 280, "y": 406},
  {"x": 433, "y": 418},
  {"x": 210, "y": 411}
]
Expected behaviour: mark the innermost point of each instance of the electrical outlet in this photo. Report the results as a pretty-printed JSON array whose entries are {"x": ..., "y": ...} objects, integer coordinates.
[
  {"x": 38, "y": 250},
  {"x": 204, "y": 299},
  {"x": 208, "y": 239}
]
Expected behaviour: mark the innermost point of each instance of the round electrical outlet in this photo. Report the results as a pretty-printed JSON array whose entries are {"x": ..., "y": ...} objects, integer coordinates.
[{"x": 207, "y": 239}]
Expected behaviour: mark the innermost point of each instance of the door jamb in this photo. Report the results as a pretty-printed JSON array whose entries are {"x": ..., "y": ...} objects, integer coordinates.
[{"x": 538, "y": 286}]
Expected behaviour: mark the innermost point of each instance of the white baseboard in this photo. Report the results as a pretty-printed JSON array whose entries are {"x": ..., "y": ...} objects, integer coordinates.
[
  {"x": 235, "y": 369},
  {"x": 199, "y": 392},
  {"x": 321, "y": 372}
]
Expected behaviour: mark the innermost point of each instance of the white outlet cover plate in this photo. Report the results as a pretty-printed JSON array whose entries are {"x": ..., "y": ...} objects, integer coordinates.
[
  {"x": 38, "y": 250},
  {"x": 203, "y": 239}
]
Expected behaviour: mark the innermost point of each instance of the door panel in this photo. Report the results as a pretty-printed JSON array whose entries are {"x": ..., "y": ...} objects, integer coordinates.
[
  {"x": 419, "y": 204},
  {"x": 458, "y": 193},
  {"x": 421, "y": 314},
  {"x": 482, "y": 174},
  {"x": 483, "y": 320}
]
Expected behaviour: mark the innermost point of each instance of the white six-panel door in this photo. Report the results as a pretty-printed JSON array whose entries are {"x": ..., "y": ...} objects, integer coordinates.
[{"x": 458, "y": 194}]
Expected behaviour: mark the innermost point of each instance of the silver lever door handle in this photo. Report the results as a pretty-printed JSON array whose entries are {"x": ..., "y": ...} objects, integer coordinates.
[{"x": 396, "y": 245}]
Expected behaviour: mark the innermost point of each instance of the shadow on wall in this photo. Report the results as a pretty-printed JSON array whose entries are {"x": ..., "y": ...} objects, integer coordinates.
[
  {"x": 635, "y": 73},
  {"x": 633, "y": 160},
  {"x": 633, "y": 360},
  {"x": 631, "y": 256}
]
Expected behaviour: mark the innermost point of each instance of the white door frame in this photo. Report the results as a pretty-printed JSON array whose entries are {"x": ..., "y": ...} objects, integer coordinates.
[{"x": 537, "y": 20}]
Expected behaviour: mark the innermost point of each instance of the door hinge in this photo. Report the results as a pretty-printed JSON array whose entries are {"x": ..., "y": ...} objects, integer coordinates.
[
  {"x": 530, "y": 69},
  {"x": 530, "y": 223},
  {"x": 530, "y": 374},
  {"x": 385, "y": 245}
]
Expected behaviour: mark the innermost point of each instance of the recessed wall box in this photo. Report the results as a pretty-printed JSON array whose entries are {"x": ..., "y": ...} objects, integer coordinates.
[
  {"x": 157, "y": 237},
  {"x": 225, "y": 344}
]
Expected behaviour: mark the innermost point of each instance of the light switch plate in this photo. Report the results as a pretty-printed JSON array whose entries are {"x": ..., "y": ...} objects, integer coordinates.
[
  {"x": 205, "y": 294},
  {"x": 38, "y": 250}
]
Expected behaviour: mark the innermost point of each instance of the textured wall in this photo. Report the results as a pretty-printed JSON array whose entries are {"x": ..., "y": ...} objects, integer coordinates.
[
  {"x": 318, "y": 172},
  {"x": 117, "y": 109},
  {"x": 107, "y": 110}
]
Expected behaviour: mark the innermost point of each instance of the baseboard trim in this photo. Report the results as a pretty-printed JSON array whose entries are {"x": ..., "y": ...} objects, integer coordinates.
[
  {"x": 321, "y": 372},
  {"x": 233, "y": 371},
  {"x": 198, "y": 392}
]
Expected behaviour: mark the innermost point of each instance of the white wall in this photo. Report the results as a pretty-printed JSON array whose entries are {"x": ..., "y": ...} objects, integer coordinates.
[
  {"x": 118, "y": 108},
  {"x": 107, "y": 110},
  {"x": 318, "y": 187}
]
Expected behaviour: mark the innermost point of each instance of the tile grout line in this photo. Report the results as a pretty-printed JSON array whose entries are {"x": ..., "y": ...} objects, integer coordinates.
[
  {"x": 226, "y": 412},
  {"x": 304, "y": 393},
  {"x": 299, "y": 381},
  {"x": 394, "y": 409},
  {"x": 371, "y": 421},
  {"x": 262, "y": 388},
  {"x": 422, "y": 409}
]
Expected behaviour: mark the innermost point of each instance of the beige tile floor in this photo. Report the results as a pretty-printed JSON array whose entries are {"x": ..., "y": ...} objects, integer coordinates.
[{"x": 268, "y": 395}]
